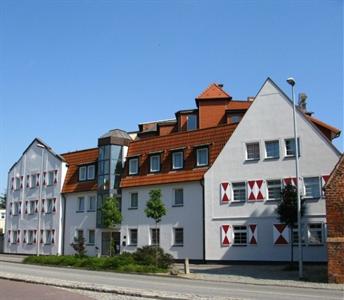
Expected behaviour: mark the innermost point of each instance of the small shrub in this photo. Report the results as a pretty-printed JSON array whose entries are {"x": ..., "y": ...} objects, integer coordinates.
[
  {"x": 151, "y": 255},
  {"x": 79, "y": 246}
]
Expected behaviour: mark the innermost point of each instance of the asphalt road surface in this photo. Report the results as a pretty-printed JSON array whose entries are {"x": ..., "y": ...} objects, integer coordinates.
[{"x": 166, "y": 285}]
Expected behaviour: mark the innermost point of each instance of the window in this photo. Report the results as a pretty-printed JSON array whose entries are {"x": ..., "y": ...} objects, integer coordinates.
[
  {"x": 79, "y": 234},
  {"x": 81, "y": 204},
  {"x": 312, "y": 187},
  {"x": 290, "y": 147},
  {"x": 2, "y": 215},
  {"x": 178, "y": 197},
  {"x": 191, "y": 122},
  {"x": 177, "y": 160},
  {"x": 92, "y": 203},
  {"x": 17, "y": 183},
  {"x": 14, "y": 236},
  {"x": 82, "y": 173},
  {"x": 272, "y": 149},
  {"x": 16, "y": 208},
  {"x": 91, "y": 237},
  {"x": 47, "y": 237},
  {"x": 33, "y": 181},
  {"x": 154, "y": 163},
  {"x": 155, "y": 236},
  {"x": 49, "y": 206},
  {"x": 274, "y": 189},
  {"x": 315, "y": 234},
  {"x": 133, "y": 166},
  {"x": 50, "y": 179},
  {"x": 91, "y": 172},
  {"x": 30, "y": 236},
  {"x": 252, "y": 151},
  {"x": 178, "y": 236},
  {"x": 132, "y": 237},
  {"x": 295, "y": 236},
  {"x": 202, "y": 157},
  {"x": 235, "y": 118},
  {"x": 31, "y": 207},
  {"x": 239, "y": 191},
  {"x": 134, "y": 200},
  {"x": 240, "y": 235}
]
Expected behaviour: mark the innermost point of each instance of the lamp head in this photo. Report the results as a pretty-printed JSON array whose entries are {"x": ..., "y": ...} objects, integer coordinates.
[{"x": 291, "y": 81}]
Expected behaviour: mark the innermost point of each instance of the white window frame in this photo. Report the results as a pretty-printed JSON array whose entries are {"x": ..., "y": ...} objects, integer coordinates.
[
  {"x": 92, "y": 199},
  {"x": 198, "y": 156},
  {"x": 130, "y": 235},
  {"x": 91, "y": 174},
  {"x": 266, "y": 149},
  {"x": 175, "y": 242},
  {"x": 33, "y": 181},
  {"x": 188, "y": 123},
  {"x": 310, "y": 230},
  {"x": 175, "y": 191},
  {"x": 235, "y": 188},
  {"x": 318, "y": 196},
  {"x": 48, "y": 237},
  {"x": 133, "y": 168},
  {"x": 49, "y": 205},
  {"x": 82, "y": 173},
  {"x": 79, "y": 204},
  {"x": 151, "y": 236},
  {"x": 50, "y": 178},
  {"x": 151, "y": 161},
  {"x": 131, "y": 206},
  {"x": 89, "y": 242},
  {"x": 237, "y": 230},
  {"x": 273, "y": 186},
  {"x": 174, "y": 154},
  {"x": 286, "y": 148},
  {"x": 17, "y": 183},
  {"x": 255, "y": 158}
]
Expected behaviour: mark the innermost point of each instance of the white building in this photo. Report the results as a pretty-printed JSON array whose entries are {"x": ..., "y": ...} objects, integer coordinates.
[
  {"x": 243, "y": 186},
  {"x": 34, "y": 206}
]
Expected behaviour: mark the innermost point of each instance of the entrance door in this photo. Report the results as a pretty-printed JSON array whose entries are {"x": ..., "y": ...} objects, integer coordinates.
[{"x": 116, "y": 237}]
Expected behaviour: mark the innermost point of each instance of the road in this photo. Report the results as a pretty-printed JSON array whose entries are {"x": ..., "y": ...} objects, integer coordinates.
[{"x": 169, "y": 285}]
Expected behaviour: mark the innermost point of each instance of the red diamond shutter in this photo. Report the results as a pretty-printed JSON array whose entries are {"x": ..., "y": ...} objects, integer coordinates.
[
  {"x": 37, "y": 179},
  {"x": 19, "y": 207},
  {"x": 18, "y": 236},
  {"x": 225, "y": 192},
  {"x": 226, "y": 235},
  {"x": 36, "y": 206},
  {"x": 41, "y": 240},
  {"x": 53, "y": 236},
  {"x": 280, "y": 234},
  {"x": 34, "y": 236},
  {"x": 9, "y": 236},
  {"x": 44, "y": 175},
  {"x": 11, "y": 208},
  {"x": 324, "y": 180},
  {"x": 42, "y": 210},
  {"x": 12, "y": 185},
  {"x": 24, "y": 240},
  {"x": 26, "y": 204},
  {"x": 54, "y": 205},
  {"x": 21, "y": 181},
  {"x": 253, "y": 234},
  {"x": 27, "y": 180}
]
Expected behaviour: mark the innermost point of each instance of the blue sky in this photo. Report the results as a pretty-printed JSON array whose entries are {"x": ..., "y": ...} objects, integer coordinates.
[{"x": 72, "y": 70}]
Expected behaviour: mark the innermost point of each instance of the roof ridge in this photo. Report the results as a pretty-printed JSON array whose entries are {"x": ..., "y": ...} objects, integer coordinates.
[{"x": 223, "y": 93}]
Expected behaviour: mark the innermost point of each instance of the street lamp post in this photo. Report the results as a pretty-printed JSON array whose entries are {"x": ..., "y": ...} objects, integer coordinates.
[{"x": 291, "y": 81}]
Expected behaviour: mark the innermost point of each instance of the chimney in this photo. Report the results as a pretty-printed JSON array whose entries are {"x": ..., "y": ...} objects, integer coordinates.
[
  {"x": 220, "y": 85},
  {"x": 250, "y": 99},
  {"x": 302, "y": 102}
]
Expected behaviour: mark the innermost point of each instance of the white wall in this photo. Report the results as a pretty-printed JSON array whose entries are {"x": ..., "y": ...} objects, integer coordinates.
[
  {"x": 80, "y": 220},
  {"x": 269, "y": 118},
  {"x": 188, "y": 216},
  {"x": 32, "y": 162}
]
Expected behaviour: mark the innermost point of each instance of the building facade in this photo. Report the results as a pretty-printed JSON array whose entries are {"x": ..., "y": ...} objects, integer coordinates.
[
  {"x": 335, "y": 222},
  {"x": 34, "y": 204}
]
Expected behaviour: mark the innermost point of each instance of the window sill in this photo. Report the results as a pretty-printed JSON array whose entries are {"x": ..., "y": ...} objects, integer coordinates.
[
  {"x": 181, "y": 245},
  {"x": 273, "y": 200},
  {"x": 255, "y": 160},
  {"x": 90, "y": 244},
  {"x": 47, "y": 244},
  {"x": 236, "y": 245},
  {"x": 316, "y": 245},
  {"x": 177, "y": 169},
  {"x": 272, "y": 158},
  {"x": 177, "y": 205},
  {"x": 311, "y": 198},
  {"x": 133, "y": 245},
  {"x": 48, "y": 213},
  {"x": 132, "y": 208},
  {"x": 201, "y": 166},
  {"x": 91, "y": 210},
  {"x": 237, "y": 201},
  {"x": 80, "y": 211}
]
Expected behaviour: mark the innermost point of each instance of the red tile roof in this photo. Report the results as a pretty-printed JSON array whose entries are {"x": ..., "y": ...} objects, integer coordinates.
[
  {"x": 215, "y": 138},
  {"x": 238, "y": 105},
  {"x": 74, "y": 159},
  {"x": 213, "y": 91}
]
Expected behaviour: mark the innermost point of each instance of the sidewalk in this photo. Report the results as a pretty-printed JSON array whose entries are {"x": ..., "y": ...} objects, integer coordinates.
[{"x": 12, "y": 258}]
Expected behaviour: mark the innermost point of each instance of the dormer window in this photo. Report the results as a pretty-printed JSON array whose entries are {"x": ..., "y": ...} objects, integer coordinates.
[
  {"x": 202, "y": 157},
  {"x": 154, "y": 163},
  {"x": 177, "y": 160},
  {"x": 133, "y": 166},
  {"x": 191, "y": 122},
  {"x": 87, "y": 172}
]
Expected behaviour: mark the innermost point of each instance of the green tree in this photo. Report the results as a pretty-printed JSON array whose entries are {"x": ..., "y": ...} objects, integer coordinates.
[
  {"x": 155, "y": 209},
  {"x": 3, "y": 201},
  {"x": 111, "y": 217},
  {"x": 287, "y": 211}
]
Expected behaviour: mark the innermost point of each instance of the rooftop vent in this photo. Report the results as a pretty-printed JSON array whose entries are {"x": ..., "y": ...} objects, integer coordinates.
[{"x": 303, "y": 102}]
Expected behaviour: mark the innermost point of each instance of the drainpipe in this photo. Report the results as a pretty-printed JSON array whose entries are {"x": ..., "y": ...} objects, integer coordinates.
[
  {"x": 63, "y": 224},
  {"x": 203, "y": 217}
]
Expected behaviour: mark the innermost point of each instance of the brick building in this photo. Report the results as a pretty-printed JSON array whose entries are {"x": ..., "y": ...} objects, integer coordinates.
[{"x": 335, "y": 223}]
